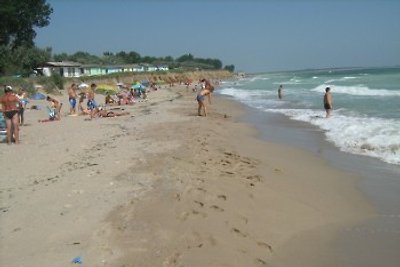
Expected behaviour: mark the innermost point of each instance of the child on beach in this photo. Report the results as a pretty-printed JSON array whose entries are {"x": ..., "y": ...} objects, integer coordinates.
[{"x": 22, "y": 96}]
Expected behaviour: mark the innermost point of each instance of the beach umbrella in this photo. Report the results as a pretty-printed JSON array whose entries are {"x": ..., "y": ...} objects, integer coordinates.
[
  {"x": 38, "y": 96},
  {"x": 105, "y": 88},
  {"x": 136, "y": 85},
  {"x": 83, "y": 85},
  {"x": 145, "y": 82}
]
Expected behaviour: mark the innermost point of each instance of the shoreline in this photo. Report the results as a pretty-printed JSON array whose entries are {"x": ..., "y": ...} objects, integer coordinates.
[
  {"x": 378, "y": 182},
  {"x": 165, "y": 187}
]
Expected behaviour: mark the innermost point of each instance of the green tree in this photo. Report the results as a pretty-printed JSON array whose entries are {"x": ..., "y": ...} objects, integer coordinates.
[
  {"x": 133, "y": 57},
  {"x": 230, "y": 68},
  {"x": 22, "y": 60},
  {"x": 19, "y": 18},
  {"x": 61, "y": 57},
  {"x": 185, "y": 57}
]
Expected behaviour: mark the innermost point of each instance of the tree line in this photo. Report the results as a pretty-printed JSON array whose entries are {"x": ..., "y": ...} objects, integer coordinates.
[{"x": 19, "y": 55}]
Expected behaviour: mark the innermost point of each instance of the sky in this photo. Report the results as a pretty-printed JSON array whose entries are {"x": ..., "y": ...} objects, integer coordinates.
[{"x": 253, "y": 35}]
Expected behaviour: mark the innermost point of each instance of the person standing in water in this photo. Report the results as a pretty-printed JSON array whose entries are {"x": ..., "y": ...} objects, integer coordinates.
[
  {"x": 328, "y": 102},
  {"x": 280, "y": 91}
]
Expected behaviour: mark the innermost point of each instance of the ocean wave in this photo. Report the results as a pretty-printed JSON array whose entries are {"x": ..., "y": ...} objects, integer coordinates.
[
  {"x": 341, "y": 79},
  {"x": 359, "y": 90},
  {"x": 243, "y": 95},
  {"x": 256, "y": 78},
  {"x": 374, "y": 137}
]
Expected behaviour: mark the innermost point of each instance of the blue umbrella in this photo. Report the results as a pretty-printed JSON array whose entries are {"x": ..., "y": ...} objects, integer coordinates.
[
  {"x": 38, "y": 96},
  {"x": 136, "y": 86}
]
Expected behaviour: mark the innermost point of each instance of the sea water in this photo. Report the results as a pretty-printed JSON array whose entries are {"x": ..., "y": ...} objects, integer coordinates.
[{"x": 366, "y": 105}]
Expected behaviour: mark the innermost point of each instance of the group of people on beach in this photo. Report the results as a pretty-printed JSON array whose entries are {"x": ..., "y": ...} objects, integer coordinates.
[
  {"x": 12, "y": 106},
  {"x": 328, "y": 104}
]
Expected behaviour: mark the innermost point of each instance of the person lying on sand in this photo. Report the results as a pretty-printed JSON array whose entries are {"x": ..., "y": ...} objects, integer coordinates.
[
  {"x": 109, "y": 113},
  {"x": 102, "y": 113}
]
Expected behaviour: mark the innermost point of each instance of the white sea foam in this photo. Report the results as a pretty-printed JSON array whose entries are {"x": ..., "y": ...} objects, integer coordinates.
[
  {"x": 375, "y": 137},
  {"x": 359, "y": 90},
  {"x": 341, "y": 79},
  {"x": 245, "y": 95},
  {"x": 253, "y": 98},
  {"x": 256, "y": 78}
]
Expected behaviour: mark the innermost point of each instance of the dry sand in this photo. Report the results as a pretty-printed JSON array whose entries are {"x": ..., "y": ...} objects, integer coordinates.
[{"x": 164, "y": 187}]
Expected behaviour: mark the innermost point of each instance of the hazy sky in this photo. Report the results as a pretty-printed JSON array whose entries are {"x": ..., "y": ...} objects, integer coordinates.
[{"x": 253, "y": 35}]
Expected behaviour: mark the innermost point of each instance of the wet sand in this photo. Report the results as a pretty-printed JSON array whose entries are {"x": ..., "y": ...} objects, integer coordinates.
[
  {"x": 374, "y": 242},
  {"x": 164, "y": 187}
]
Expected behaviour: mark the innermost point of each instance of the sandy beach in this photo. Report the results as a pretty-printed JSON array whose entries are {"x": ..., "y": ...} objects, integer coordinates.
[{"x": 165, "y": 187}]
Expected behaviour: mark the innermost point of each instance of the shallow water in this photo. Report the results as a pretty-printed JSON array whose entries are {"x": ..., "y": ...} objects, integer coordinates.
[
  {"x": 373, "y": 243},
  {"x": 366, "y": 117}
]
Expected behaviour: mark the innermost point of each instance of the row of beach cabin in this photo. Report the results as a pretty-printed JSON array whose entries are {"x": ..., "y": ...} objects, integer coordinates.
[{"x": 76, "y": 69}]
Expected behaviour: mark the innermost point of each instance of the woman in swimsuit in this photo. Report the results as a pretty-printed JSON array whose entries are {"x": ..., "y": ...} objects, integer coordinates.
[
  {"x": 201, "y": 96},
  {"x": 10, "y": 107}
]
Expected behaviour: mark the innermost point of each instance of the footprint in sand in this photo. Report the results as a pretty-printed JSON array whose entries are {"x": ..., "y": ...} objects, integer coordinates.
[
  {"x": 201, "y": 204},
  {"x": 202, "y": 214},
  {"x": 222, "y": 197},
  {"x": 260, "y": 261},
  {"x": 215, "y": 207},
  {"x": 238, "y": 232},
  {"x": 265, "y": 245},
  {"x": 255, "y": 178},
  {"x": 201, "y": 189},
  {"x": 172, "y": 260}
]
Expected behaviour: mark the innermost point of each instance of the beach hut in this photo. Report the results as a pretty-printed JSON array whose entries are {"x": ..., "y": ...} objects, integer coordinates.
[{"x": 64, "y": 68}]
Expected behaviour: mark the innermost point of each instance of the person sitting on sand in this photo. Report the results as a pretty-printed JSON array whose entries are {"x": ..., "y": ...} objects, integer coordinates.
[
  {"x": 56, "y": 105},
  {"x": 109, "y": 100}
]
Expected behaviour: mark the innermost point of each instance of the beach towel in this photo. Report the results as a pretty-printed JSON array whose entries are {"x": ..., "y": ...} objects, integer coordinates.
[
  {"x": 2, "y": 122},
  {"x": 52, "y": 113},
  {"x": 3, "y": 132}
]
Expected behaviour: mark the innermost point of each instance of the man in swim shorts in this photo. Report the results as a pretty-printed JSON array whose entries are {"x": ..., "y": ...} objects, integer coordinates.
[
  {"x": 10, "y": 108},
  {"x": 328, "y": 102},
  {"x": 91, "y": 103},
  {"x": 72, "y": 98}
]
